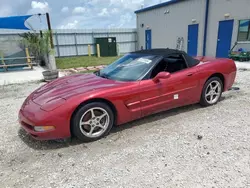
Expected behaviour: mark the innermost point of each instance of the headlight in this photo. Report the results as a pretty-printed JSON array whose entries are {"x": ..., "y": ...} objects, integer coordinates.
[
  {"x": 53, "y": 104},
  {"x": 43, "y": 128}
]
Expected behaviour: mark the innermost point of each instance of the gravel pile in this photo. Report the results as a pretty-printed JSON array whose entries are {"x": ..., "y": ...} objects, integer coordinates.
[{"x": 186, "y": 147}]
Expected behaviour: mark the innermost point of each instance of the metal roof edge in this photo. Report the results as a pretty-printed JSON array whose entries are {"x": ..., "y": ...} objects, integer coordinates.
[{"x": 157, "y": 6}]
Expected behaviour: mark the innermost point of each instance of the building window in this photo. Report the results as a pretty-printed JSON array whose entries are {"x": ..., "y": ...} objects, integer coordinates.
[{"x": 244, "y": 30}]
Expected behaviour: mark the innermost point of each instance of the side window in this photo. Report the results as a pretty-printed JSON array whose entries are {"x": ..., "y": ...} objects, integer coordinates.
[
  {"x": 172, "y": 63},
  {"x": 175, "y": 63},
  {"x": 160, "y": 67}
]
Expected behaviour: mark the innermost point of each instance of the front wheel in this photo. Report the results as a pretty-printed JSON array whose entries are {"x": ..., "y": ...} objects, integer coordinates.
[
  {"x": 211, "y": 92},
  {"x": 92, "y": 121}
]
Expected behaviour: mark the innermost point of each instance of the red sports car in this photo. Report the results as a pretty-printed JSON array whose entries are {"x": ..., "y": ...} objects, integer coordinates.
[{"x": 138, "y": 84}]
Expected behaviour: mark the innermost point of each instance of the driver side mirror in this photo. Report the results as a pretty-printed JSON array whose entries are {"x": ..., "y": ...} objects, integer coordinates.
[{"x": 161, "y": 75}]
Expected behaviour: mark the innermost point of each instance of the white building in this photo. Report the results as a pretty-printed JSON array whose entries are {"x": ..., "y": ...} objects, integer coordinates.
[{"x": 208, "y": 27}]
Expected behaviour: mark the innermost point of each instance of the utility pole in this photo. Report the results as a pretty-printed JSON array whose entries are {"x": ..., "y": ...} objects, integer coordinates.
[
  {"x": 52, "y": 60},
  {"x": 50, "y": 30}
]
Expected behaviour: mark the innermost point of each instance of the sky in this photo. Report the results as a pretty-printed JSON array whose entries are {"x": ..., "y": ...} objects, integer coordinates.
[{"x": 77, "y": 14}]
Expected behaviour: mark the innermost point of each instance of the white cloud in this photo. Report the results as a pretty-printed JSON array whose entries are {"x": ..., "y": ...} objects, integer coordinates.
[
  {"x": 125, "y": 19},
  {"x": 111, "y": 26},
  {"x": 65, "y": 9},
  {"x": 39, "y": 7},
  {"x": 79, "y": 10},
  {"x": 127, "y": 4},
  {"x": 95, "y": 2},
  {"x": 114, "y": 10},
  {"x": 104, "y": 12},
  {"x": 77, "y": 13},
  {"x": 5, "y": 10},
  {"x": 71, "y": 25}
]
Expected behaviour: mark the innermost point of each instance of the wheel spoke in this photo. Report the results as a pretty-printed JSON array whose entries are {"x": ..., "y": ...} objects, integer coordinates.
[
  {"x": 216, "y": 86},
  {"x": 85, "y": 123},
  {"x": 217, "y": 94},
  {"x": 208, "y": 94},
  {"x": 211, "y": 97},
  {"x": 92, "y": 113},
  {"x": 102, "y": 116},
  {"x": 100, "y": 126},
  {"x": 210, "y": 87},
  {"x": 91, "y": 130}
]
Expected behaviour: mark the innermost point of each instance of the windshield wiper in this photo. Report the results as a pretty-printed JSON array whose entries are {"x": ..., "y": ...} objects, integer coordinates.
[
  {"x": 98, "y": 73},
  {"x": 104, "y": 76}
]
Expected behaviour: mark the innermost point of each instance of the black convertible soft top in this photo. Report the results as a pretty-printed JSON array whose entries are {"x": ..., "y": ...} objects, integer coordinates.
[{"x": 191, "y": 62}]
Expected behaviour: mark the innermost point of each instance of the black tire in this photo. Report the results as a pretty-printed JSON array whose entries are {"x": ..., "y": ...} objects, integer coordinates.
[
  {"x": 75, "y": 125},
  {"x": 203, "y": 100}
]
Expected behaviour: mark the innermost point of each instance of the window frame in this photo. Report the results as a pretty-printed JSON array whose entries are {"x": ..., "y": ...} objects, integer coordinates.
[
  {"x": 183, "y": 59},
  {"x": 248, "y": 32},
  {"x": 158, "y": 58},
  {"x": 148, "y": 75}
]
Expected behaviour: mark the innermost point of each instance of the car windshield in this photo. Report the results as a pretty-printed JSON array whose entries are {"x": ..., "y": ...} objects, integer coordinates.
[{"x": 130, "y": 67}]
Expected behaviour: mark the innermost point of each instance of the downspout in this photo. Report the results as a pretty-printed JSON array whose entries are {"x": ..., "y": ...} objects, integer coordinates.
[{"x": 205, "y": 28}]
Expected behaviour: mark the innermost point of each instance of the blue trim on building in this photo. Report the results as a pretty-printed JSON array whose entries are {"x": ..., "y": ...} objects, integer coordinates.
[
  {"x": 158, "y": 6},
  {"x": 205, "y": 28}
]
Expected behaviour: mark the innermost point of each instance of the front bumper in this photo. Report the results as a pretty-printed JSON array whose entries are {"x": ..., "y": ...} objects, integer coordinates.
[{"x": 31, "y": 115}]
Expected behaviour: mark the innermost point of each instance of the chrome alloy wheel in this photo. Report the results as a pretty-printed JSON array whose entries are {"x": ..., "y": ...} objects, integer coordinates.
[
  {"x": 213, "y": 92},
  {"x": 94, "y": 122}
]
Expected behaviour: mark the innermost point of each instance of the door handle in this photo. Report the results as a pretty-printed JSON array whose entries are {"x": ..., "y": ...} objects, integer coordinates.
[{"x": 190, "y": 74}]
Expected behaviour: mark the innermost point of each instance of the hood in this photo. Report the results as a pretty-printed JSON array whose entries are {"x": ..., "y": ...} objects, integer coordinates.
[{"x": 69, "y": 86}]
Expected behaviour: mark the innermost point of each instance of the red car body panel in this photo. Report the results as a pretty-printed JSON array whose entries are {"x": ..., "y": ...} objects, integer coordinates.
[{"x": 54, "y": 103}]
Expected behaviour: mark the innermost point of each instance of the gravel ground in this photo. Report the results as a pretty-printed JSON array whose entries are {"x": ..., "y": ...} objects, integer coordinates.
[{"x": 186, "y": 147}]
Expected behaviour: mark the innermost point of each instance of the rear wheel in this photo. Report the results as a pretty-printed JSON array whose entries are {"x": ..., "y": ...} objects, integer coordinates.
[
  {"x": 211, "y": 92},
  {"x": 92, "y": 121}
]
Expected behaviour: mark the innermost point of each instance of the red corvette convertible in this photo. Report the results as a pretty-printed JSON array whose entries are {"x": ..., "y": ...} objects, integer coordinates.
[{"x": 139, "y": 84}]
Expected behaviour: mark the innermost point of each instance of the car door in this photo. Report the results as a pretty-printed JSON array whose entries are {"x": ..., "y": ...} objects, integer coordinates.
[
  {"x": 180, "y": 89},
  {"x": 150, "y": 97}
]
